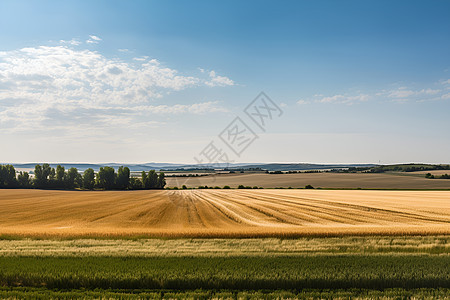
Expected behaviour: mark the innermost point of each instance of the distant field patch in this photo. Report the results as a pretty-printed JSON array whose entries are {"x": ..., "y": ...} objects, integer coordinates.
[{"x": 397, "y": 180}]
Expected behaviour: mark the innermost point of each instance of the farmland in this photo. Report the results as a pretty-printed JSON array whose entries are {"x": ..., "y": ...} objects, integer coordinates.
[
  {"x": 393, "y": 180},
  {"x": 223, "y": 213},
  {"x": 224, "y": 244}
]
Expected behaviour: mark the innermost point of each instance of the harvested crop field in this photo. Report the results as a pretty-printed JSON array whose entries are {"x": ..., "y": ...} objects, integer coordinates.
[
  {"x": 223, "y": 213},
  {"x": 398, "y": 180}
]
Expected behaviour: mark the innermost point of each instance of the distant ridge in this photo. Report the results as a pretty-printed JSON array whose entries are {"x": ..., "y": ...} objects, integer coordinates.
[{"x": 171, "y": 166}]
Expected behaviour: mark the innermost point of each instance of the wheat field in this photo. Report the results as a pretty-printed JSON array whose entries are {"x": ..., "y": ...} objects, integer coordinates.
[
  {"x": 399, "y": 180},
  {"x": 223, "y": 213}
]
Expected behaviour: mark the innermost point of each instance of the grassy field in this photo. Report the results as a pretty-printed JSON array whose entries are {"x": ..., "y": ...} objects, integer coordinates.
[
  {"x": 305, "y": 268},
  {"x": 399, "y": 180},
  {"x": 351, "y": 245},
  {"x": 223, "y": 213},
  {"x": 227, "y": 273}
]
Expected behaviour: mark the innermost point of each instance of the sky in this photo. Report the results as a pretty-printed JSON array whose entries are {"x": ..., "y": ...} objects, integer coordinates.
[{"x": 164, "y": 81}]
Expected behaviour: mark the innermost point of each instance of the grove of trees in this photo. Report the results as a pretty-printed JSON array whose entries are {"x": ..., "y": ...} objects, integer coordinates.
[{"x": 46, "y": 177}]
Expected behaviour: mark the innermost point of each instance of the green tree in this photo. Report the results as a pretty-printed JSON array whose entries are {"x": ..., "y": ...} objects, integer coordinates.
[
  {"x": 72, "y": 178},
  {"x": 123, "y": 178},
  {"x": 89, "y": 179},
  {"x": 60, "y": 173},
  {"x": 41, "y": 175},
  {"x": 144, "y": 180},
  {"x": 8, "y": 176},
  {"x": 152, "y": 179},
  {"x": 24, "y": 180},
  {"x": 161, "y": 182},
  {"x": 106, "y": 178},
  {"x": 135, "y": 183},
  {"x": 52, "y": 174}
]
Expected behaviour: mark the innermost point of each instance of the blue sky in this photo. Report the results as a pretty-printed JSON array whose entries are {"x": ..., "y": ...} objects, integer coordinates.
[{"x": 141, "y": 81}]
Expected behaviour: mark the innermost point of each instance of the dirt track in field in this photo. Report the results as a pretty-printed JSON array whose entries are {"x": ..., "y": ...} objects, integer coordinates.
[{"x": 223, "y": 213}]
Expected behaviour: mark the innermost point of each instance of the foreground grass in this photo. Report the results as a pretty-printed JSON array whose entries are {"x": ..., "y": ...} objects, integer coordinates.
[
  {"x": 231, "y": 273},
  {"x": 397, "y": 267},
  {"x": 363, "y": 245},
  {"x": 41, "y": 293}
]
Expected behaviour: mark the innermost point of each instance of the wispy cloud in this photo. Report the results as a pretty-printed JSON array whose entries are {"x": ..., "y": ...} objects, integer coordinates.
[
  {"x": 302, "y": 102},
  {"x": 402, "y": 94},
  {"x": 93, "y": 39},
  {"x": 344, "y": 99},
  {"x": 73, "y": 42}
]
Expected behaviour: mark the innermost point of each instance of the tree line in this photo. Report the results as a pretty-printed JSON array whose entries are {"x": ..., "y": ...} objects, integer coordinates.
[{"x": 46, "y": 177}]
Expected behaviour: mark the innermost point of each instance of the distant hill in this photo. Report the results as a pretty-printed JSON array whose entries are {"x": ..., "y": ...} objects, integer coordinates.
[
  {"x": 96, "y": 167},
  {"x": 305, "y": 166},
  {"x": 171, "y": 166}
]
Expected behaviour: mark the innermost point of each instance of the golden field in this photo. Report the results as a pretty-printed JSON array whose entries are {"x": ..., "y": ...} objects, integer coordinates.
[
  {"x": 223, "y": 213},
  {"x": 395, "y": 180}
]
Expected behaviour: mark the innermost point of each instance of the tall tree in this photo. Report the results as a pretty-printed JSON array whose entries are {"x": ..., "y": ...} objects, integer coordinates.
[
  {"x": 72, "y": 178},
  {"x": 52, "y": 174},
  {"x": 2, "y": 176},
  {"x": 123, "y": 178},
  {"x": 60, "y": 172},
  {"x": 161, "y": 181},
  {"x": 144, "y": 180},
  {"x": 8, "y": 176},
  {"x": 41, "y": 174},
  {"x": 24, "y": 180},
  {"x": 106, "y": 178},
  {"x": 152, "y": 179},
  {"x": 135, "y": 183},
  {"x": 89, "y": 179}
]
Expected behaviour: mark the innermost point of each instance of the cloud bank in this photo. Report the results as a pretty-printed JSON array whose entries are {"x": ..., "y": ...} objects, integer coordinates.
[{"x": 41, "y": 84}]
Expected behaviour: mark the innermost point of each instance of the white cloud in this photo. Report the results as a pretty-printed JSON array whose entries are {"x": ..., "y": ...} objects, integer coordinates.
[
  {"x": 61, "y": 85},
  {"x": 446, "y": 96},
  {"x": 93, "y": 39},
  {"x": 344, "y": 99},
  {"x": 401, "y": 93},
  {"x": 123, "y": 50},
  {"x": 404, "y": 94},
  {"x": 302, "y": 102},
  {"x": 429, "y": 91},
  {"x": 196, "y": 108},
  {"x": 144, "y": 58},
  {"x": 217, "y": 80},
  {"x": 73, "y": 42}
]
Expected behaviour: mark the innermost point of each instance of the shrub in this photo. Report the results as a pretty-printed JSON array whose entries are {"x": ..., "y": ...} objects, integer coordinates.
[
  {"x": 226, "y": 187},
  {"x": 309, "y": 187}
]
